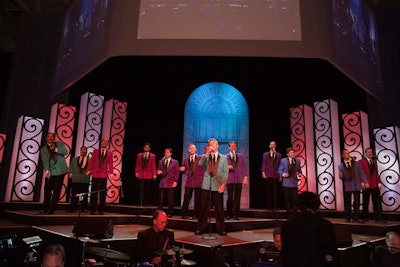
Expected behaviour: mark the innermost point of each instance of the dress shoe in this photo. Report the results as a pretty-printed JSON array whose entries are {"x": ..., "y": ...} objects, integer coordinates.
[
  {"x": 184, "y": 217},
  {"x": 92, "y": 213},
  {"x": 358, "y": 221},
  {"x": 380, "y": 221},
  {"x": 169, "y": 215},
  {"x": 49, "y": 212},
  {"x": 101, "y": 212},
  {"x": 223, "y": 233},
  {"x": 198, "y": 232},
  {"x": 347, "y": 220},
  {"x": 192, "y": 218},
  {"x": 228, "y": 217},
  {"x": 236, "y": 218}
]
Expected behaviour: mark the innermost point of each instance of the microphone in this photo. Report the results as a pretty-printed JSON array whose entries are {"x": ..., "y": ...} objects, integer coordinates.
[
  {"x": 261, "y": 253},
  {"x": 353, "y": 158},
  {"x": 211, "y": 149}
]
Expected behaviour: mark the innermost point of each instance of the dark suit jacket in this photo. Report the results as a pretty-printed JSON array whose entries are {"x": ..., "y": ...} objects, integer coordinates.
[
  {"x": 149, "y": 242},
  {"x": 193, "y": 179},
  {"x": 271, "y": 171},
  {"x": 306, "y": 240},
  {"x": 236, "y": 176}
]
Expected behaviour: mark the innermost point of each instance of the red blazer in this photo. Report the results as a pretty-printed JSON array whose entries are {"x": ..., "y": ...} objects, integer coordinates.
[
  {"x": 105, "y": 169},
  {"x": 150, "y": 171},
  {"x": 374, "y": 179}
]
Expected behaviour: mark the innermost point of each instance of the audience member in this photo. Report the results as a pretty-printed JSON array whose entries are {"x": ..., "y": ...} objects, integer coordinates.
[
  {"x": 353, "y": 179},
  {"x": 238, "y": 175},
  {"x": 215, "y": 178},
  {"x": 369, "y": 164},
  {"x": 53, "y": 256},
  {"x": 290, "y": 171},
  {"x": 155, "y": 239},
  {"x": 270, "y": 252},
  {"x": 387, "y": 255},
  {"x": 168, "y": 169},
  {"x": 146, "y": 173},
  {"x": 79, "y": 181},
  {"x": 269, "y": 172},
  {"x": 101, "y": 168},
  {"x": 194, "y": 178},
  {"x": 55, "y": 167},
  {"x": 308, "y": 239}
]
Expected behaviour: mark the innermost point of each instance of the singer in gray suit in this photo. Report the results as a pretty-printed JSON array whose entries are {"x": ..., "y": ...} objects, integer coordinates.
[
  {"x": 55, "y": 167},
  {"x": 214, "y": 181}
]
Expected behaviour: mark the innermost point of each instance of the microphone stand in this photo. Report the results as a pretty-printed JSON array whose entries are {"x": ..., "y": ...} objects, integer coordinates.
[{"x": 209, "y": 236}]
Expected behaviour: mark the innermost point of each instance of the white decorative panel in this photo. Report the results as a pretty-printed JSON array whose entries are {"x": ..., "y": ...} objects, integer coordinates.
[
  {"x": 114, "y": 122},
  {"x": 25, "y": 159},
  {"x": 302, "y": 139},
  {"x": 328, "y": 156},
  {"x": 387, "y": 147}
]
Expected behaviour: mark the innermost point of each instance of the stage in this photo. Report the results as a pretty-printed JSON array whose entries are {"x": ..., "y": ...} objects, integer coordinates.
[{"x": 239, "y": 247}]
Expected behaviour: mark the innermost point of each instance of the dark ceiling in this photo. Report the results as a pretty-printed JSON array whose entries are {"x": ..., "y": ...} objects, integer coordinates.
[{"x": 11, "y": 12}]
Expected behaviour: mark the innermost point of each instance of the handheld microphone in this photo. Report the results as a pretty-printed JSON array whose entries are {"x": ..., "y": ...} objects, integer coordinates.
[
  {"x": 353, "y": 158},
  {"x": 211, "y": 149}
]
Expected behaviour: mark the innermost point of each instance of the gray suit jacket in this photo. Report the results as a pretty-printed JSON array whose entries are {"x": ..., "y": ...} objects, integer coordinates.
[{"x": 221, "y": 177}]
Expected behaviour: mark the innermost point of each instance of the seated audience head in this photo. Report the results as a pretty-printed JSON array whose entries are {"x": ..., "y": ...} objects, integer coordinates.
[
  {"x": 393, "y": 241},
  {"x": 277, "y": 238},
  {"x": 53, "y": 256},
  {"x": 308, "y": 201}
]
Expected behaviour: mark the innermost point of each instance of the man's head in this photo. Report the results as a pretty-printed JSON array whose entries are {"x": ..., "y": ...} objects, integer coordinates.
[
  {"x": 146, "y": 147},
  {"x": 192, "y": 149},
  {"x": 393, "y": 241},
  {"x": 83, "y": 151},
  {"x": 308, "y": 201},
  {"x": 277, "y": 238},
  {"x": 104, "y": 142},
  {"x": 53, "y": 256},
  {"x": 290, "y": 152},
  {"x": 160, "y": 220},
  {"x": 213, "y": 144}
]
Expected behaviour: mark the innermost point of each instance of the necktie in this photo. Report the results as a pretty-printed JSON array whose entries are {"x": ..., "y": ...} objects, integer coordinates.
[{"x": 348, "y": 164}]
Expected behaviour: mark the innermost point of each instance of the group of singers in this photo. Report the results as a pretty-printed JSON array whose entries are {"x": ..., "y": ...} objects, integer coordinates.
[
  {"x": 99, "y": 166},
  {"x": 207, "y": 176}
]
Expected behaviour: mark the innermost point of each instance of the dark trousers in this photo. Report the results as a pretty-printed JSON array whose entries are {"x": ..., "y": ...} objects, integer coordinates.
[
  {"x": 78, "y": 188},
  {"x": 291, "y": 194},
  {"x": 186, "y": 200},
  {"x": 146, "y": 192},
  {"x": 233, "y": 200},
  {"x": 205, "y": 210},
  {"x": 52, "y": 191},
  {"x": 274, "y": 191},
  {"x": 169, "y": 194},
  {"x": 347, "y": 205},
  {"x": 98, "y": 195},
  {"x": 375, "y": 195}
]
